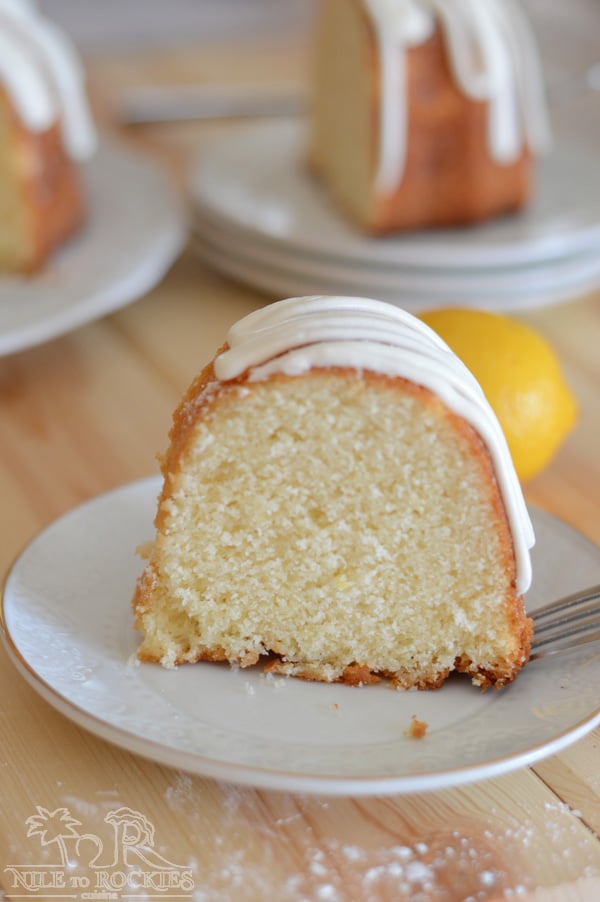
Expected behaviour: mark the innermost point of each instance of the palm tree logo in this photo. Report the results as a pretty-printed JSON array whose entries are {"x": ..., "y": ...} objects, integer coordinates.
[
  {"x": 56, "y": 827},
  {"x": 133, "y": 838}
]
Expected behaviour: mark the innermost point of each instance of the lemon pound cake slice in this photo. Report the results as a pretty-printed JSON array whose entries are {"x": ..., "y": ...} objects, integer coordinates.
[
  {"x": 339, "y": 498},
  {"x": 46, "y": 132},
  {"x": 425, "y": 112}
]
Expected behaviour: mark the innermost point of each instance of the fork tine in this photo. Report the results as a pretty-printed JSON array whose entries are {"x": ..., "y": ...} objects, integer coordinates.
[
  {"x": 569, "y": 622},
  {"x": 590, "y": 631},
  {"x": 554, "y": 646},
  {"x": 578, "y": 614},
  {"x": 564, "y": 604}
]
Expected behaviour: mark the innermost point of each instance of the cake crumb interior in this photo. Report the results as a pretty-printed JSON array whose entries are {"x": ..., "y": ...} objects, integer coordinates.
[{"x": 334, "y": 520}]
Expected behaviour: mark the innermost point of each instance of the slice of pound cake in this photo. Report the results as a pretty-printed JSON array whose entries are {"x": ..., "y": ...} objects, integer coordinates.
[
  {"x": 46, "y": 134},
  {"x": 338, "y": 497},
  {"x": 425, "y": 113}
]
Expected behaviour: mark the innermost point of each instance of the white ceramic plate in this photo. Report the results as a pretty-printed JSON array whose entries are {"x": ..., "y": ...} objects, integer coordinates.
[
  {"x": 250, "y": 269},
  {"x": 256, "y": 178},
  {"x": 532, "y": 278},
  {"x": 68, "y": 628},
  {"x": 135, "y": 228}
]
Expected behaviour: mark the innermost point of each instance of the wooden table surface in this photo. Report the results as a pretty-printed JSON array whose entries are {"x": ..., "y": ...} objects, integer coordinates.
[{"x": 88, "y": 412}]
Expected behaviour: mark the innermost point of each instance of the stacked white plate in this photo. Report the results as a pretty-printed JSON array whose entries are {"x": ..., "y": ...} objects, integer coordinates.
[{"x": 259, "y": 217}]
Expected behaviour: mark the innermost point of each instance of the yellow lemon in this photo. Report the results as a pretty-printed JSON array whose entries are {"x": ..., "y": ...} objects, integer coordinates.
[{"x": 520, "y": 376}]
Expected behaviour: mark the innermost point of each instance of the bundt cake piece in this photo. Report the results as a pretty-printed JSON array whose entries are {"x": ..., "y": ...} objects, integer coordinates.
[
  {"x": 425, "y": 112},
  {"x": 45, "y": 131},
  {"x": 338, "y": 500}
]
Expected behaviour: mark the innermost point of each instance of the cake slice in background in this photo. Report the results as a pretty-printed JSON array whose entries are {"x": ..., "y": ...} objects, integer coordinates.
[
  {"x": 338, "y": 497},
  {"x": 46, "y": 131},
  {"x": 425, "y": 113}
]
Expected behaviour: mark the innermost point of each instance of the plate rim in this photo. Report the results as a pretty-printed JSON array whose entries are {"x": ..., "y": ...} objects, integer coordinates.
[
  {"x": 542, "y": 248},
  {"x": 278, "y": 282},
  {"x": 249, "y": 774},
  {"x": 205, "y": 225}
]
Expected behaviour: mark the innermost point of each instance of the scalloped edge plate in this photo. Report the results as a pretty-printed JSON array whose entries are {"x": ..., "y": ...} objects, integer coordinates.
[{"x": 67, "y": 626}]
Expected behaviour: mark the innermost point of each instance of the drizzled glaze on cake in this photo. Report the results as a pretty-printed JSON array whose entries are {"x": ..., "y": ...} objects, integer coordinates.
[
  {"x": 296, "y": 335},
  {"x": 493, "y": 58},
  {"x": 41, "y": 73}
]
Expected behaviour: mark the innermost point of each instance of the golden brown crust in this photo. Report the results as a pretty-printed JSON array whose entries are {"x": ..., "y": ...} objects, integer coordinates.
[
  {"x": 450, "y": 177},
  {"x": 50, "y": 187},
  {"x": 352, "y": 675},
  {"x": 193, "y": 405}
]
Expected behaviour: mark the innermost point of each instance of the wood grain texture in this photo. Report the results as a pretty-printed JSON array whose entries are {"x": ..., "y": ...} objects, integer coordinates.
[{"x": 89, "y": 411}]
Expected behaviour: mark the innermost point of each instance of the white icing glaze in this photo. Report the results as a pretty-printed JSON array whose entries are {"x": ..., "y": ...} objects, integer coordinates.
[
  {"x": 297, "y": 334},
  {"x": 42, "y": 75},
  {"x": 493, "y": 58}
]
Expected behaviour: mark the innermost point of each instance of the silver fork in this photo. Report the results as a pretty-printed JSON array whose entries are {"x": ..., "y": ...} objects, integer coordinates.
[{"x": 566, "y": 623}]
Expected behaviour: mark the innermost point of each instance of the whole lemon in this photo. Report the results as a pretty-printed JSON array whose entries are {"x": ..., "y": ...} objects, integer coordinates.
[{"x": 520, "y": 376}]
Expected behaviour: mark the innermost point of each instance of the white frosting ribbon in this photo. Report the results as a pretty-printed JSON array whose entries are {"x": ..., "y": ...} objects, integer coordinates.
[
  {"x": 493, "y": 58},
  {"x": 299, "y": 334},
  {"x": 43, "y": 77}
]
